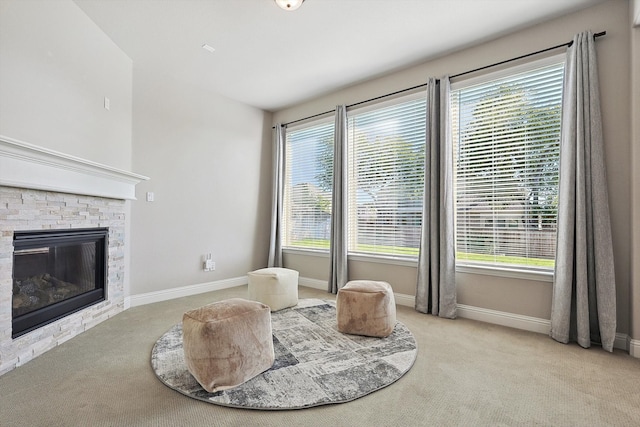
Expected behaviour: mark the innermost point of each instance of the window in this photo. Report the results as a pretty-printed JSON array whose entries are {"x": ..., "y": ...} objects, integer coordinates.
[
  {"x": 506, "y": 133},
  {"x": 386, "y": 176},
  {"x": 308, "y": 182}
]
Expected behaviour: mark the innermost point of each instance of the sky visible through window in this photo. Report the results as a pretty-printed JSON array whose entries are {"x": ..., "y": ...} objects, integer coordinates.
[{"x": 307, "y": 144}]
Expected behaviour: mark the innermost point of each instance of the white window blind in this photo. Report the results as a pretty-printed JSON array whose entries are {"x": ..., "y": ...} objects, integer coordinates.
[
  {"x": 386, "y": 177},
  {"x": 506, "y": 139},
  {"x": 307, "y": 193}
]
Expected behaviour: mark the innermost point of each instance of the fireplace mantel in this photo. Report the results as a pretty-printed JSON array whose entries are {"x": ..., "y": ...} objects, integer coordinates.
[{"x": 25, "y": 165}]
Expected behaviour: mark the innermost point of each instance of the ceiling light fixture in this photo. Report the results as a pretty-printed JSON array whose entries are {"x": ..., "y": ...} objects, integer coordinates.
[{"x": 289, "y": 4}]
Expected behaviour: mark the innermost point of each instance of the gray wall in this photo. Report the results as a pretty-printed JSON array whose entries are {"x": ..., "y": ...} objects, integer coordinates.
[
  {"x": 209, "y": 159},
  {"x": 56, "y": 68},
  {"x": 525, "y": 297}
]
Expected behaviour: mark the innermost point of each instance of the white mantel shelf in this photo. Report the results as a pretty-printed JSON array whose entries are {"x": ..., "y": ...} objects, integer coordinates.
[{"x": 25, "y": 165}]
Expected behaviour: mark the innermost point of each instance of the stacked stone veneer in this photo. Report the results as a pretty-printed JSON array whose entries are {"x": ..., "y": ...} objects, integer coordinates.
[{"x": 25, "y": 209}]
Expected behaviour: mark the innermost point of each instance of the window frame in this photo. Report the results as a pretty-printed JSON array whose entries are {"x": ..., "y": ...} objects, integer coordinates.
[
  {"x": 286, "y": 248},
  {"x": 544, "y": 274},
  {"x": 507, "y": 271},
  {"x": 383, "y": 258}
]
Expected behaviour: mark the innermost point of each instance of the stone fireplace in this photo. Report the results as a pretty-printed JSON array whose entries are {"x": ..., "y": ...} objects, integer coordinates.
[{"x": 42, "y": 190}]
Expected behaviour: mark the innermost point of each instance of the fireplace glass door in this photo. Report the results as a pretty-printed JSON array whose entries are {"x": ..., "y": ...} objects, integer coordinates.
[{"x": 56, "y": 273}]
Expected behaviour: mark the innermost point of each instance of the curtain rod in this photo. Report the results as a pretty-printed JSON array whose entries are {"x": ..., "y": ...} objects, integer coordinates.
[
  {"x": 567, "y": 44},
  {"x": 357, "y": 103}
]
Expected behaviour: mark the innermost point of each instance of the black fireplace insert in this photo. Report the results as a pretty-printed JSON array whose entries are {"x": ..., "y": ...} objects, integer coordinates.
[{"x": 56, "y": 273}]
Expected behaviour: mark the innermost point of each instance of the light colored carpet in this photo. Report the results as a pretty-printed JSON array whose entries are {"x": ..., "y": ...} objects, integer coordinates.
[{"x": 467, "y": 373}]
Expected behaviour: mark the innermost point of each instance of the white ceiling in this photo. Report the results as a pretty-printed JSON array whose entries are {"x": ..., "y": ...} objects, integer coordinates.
[{"x": 271, "y": 59}]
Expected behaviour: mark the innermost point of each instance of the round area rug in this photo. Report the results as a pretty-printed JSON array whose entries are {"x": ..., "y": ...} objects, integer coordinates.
[{"x": 315, "y": 364}]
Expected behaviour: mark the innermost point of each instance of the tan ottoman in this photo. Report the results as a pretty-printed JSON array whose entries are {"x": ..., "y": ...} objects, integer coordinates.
[
  {"x": 366, "y": 307},
  {"x": 276, "y": 287},
  {"x": 227, "y": 343}
]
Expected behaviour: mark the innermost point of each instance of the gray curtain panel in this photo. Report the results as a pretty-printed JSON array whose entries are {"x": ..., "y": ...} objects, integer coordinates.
[
  {"x": 338, "y": 275},
  {"x": 436, "y": 289},
  {"x": 584, "y": 289},
  {"x": 275, "y": 241}
]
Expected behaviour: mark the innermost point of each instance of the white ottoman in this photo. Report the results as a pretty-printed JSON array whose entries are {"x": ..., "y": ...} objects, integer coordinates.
[{"x": 276, "y": 287}]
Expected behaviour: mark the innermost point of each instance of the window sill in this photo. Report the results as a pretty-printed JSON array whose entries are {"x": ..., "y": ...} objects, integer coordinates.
[
  {"x": 309, "y": 252},
  {"x": 375, "y": 259},
  {"x": 384, "y": 259},
  {"x": 513, "y": 273}
]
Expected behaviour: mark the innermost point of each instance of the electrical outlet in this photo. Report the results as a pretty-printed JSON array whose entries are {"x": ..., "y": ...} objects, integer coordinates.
[{"x": 208, "y": 264}]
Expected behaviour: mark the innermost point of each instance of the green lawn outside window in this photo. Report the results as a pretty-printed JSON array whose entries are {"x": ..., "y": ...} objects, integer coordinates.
[{"x": 460, "y": 256}]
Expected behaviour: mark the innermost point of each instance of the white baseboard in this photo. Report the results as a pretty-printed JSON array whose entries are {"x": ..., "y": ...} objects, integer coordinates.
[
  {"x": 517, "y": 321},
  {"x": 510, "y": 320},
  {"x": 622, "y": 342},
  {"x": 634, "y": 347},
  {"x": 401, "y": 299},
  {"x": 475, "y": 313},
  {"x": 168, "y": 294},
  {"x": 404, "y": 299},
  {"x": 313, "y": 283}
]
